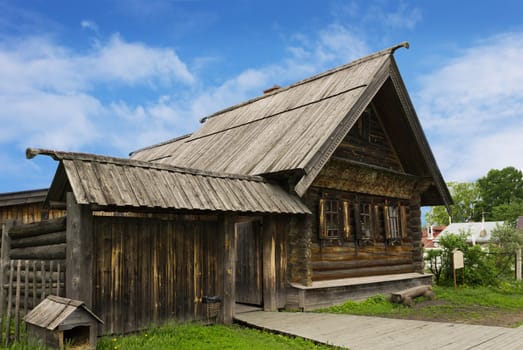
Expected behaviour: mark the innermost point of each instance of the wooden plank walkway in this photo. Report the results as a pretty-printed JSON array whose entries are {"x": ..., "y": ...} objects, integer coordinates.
[{"x": 376, "y": 333}]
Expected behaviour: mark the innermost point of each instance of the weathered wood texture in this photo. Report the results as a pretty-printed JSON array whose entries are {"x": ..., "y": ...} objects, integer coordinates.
[
  {"x": 405, "y": 296},
  {"x": 367, "y": 142},
  {"x": 148, "y": 270},
  {"x": 336, "y": 259},
  {"x": 299, "y": 249},
  {"x": 79, "y": 252},
  {"x": 276, "y": 132},
  {"x": 44, "y": 240},
  {"x": 261, "y": 263},
  {"x": 28, "y": 213},
  {"x": 249, "y": 258},
  {"x": 345, "y": 175},
  {"x": 26, "y": 283},
  {"x": 122, "y": 184}
]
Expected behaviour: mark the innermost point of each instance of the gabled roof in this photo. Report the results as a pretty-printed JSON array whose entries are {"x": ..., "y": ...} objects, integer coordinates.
[
  {"x": 125, "y": 184},
  {"x": 295, "y": 130},
  {"x": 54, "y": 310}
]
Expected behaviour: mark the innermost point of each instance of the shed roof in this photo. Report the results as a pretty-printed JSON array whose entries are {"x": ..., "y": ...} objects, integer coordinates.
[
  {"x": 297, "y": 129},
  {"x": 124, "y": 183},
  {"x": 54, "y": 310},
  {"x": 22, "y": 197}
]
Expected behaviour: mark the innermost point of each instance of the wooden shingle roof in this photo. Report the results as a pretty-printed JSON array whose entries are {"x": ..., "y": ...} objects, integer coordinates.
[
  {"x": 120, "y": 184},
  {"x": 280, "y": 131},
  {"x": 54, "y": 310},
  {"x": 22, "y": 197},
  {"x": 295, "y": 130}
]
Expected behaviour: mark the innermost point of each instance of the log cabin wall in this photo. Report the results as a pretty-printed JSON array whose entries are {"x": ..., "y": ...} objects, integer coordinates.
[
  {"x": 335, "y": 258},
  {"x": 369, "y": 192},
  {"x": 149, "y": 270}
]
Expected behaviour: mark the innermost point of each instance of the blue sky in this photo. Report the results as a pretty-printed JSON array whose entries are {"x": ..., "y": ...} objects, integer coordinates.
[{"x": 114, "y": 76}]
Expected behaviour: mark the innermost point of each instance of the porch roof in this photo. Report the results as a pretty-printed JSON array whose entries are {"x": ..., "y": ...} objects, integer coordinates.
[{"x": 121, "y": 183}]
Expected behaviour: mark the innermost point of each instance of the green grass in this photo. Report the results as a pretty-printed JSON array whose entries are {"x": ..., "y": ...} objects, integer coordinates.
[
  {"x": 501, "y": 306},
  {"x": 191, "y": 336},
  {"x": 195, "y": 337}
]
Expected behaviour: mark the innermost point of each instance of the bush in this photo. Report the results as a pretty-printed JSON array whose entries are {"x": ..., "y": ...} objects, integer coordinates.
[{"x": 481, "y": 268}]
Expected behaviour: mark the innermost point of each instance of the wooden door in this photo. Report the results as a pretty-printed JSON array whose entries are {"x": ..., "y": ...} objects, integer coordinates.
[{"x": 249, "y": 267}]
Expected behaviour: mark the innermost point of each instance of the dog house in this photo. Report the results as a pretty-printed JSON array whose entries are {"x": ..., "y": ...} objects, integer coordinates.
[{"x": 57, "y": 322}]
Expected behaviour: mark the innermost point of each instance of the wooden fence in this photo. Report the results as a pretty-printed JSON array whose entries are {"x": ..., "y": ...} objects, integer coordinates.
[{"x": 32, "y": 267}]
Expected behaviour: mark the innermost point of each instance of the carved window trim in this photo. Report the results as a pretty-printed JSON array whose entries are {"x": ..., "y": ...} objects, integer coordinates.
[
  {"x": 373, "y": 220},
  {"x": 334, "y": 219}
]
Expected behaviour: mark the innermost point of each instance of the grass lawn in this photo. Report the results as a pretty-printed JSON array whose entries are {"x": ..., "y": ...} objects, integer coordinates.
[
  {"x": 501, "y": 306},
  {"x": 190, "y": 336},
  {"x": 195, "y": 337}
]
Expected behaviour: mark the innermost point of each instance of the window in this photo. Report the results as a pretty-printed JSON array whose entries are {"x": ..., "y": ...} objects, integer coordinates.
[
  {"x": 363, "y": 125},
  {"x": 364, "y": 220},
  {"x": 396, "y": 223},
  {"x": 334, "y": 219}
]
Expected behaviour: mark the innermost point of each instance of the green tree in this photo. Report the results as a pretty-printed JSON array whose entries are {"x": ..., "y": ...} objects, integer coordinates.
[
  {"x": 501, "y": 192},
  {"x": 506, "y": 238},
  {"x": 465, "y": 196}
]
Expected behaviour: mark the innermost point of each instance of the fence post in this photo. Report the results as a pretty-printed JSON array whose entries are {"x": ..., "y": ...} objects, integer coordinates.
[
  {"x": 4, "y": 263},
  {"x": 518, "y": 264}
]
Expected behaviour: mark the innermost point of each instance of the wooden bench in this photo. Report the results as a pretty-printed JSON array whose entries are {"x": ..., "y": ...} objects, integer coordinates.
[{"x": 405, "y": 296}]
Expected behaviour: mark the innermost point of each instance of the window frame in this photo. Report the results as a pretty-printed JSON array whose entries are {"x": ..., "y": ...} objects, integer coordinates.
[{"x": 375, "y": 220}]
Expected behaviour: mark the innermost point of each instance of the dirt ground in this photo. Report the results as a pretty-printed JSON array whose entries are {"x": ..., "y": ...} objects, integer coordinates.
[{"x": 479, "y": 315}]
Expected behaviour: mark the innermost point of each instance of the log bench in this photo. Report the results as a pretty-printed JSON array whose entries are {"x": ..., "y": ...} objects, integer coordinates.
[{"x": 405, "y": 296}]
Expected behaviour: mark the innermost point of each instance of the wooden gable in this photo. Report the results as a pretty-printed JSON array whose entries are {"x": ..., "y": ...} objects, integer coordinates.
[{"x": 368, "y": 142}]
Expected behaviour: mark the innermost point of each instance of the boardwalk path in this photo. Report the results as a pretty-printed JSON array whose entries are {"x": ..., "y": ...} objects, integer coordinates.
[{"x": 375, "y": 333}]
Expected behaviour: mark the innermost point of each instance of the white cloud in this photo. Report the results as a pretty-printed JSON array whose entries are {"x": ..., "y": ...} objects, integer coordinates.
[
  {"x": 48, "y": 92},
  {"x": 472, "y": 106},
  {"x": 134, "y": 63},
  {"x": 86, "y": 24}
]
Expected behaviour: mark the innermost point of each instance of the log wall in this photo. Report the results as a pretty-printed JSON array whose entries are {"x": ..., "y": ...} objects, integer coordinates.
[{"x": 336, "y": 259}]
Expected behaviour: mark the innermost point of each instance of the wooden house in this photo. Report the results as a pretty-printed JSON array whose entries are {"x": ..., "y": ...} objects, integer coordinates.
[{"x": 303, "y": 197}]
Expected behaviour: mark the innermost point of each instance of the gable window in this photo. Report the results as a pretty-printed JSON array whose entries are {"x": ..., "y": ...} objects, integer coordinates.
[{"x": 363, "y": 125}]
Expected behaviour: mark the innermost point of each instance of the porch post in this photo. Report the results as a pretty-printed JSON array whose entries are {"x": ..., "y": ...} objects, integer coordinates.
[
  {"x": 269, "y": 264},
  {"x": 79, "y": 252},
  {"x": 414, "y": 226},
  {"x": 227, "y": 235}
]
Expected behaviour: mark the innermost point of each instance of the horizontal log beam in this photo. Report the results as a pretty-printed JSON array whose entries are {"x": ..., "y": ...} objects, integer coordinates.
[
  {"x": 366, "y": 271},
  {"x": 44, "y": 239},
  {"x": 356, "y": 264},
  {"x": 45, "y": 252},
  {"x": 38, "y": 228}
]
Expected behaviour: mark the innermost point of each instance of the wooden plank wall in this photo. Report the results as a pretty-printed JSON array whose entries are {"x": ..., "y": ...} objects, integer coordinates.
[
  {"x": 28, "y": 213},
  {"x": 150, "y": 270},
  {"x": 338, "y": 259},
  {"x": 249, "y": 273}
]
